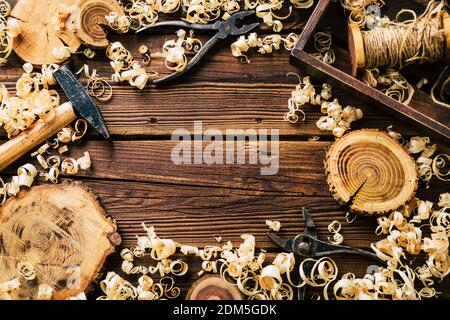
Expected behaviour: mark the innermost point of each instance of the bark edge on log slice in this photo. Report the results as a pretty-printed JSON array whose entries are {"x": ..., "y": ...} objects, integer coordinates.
[
  {"x": 62, "y": 230},
  {"x": 213, "y": 287},
  {"x": 372, "y": 155}
]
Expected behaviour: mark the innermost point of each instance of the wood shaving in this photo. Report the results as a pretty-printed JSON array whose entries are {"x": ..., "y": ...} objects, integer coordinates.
[
  {"x": 337, "y": 120},
  {"x": 266, "y": 10},
  {"x": 391, "y": 83},
  {"x": 273, "y": 225},
  {"x": 265, "y": 45},
  {"x": 361, "y": 16},
  {"x": 334, "y": 228},
  {"x": 429, "y": 166},
  {"x": 322, "y": 43},
  {"x": 33, "y": 100},
  {"x": 174, "y": 51},
  {"x": 126, "y": 69},
  {"x": 398, "y": 280},
  {"x": 26, "y": 270},
  {"x": 8, "y": 31}
]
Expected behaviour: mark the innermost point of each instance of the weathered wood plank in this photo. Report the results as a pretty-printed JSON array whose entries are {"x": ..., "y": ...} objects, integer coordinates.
[
  {"x": 301, "y": 171},
  {"x": 193, "y": 215},
  {"x": 221, "y": 92}
]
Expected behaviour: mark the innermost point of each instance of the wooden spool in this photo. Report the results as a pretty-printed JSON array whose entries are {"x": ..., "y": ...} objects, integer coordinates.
[
  {"x": 357, "y": 49},
  {"x": 372, "y": 158},
  {"x": 213, "y": 287},
  {"x": 39, "y": 37},
  {"x": 90, "y": 21},
  {"x": 62, "y": 231}
]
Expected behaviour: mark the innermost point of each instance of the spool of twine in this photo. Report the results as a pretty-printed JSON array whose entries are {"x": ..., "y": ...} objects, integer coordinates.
[{"x": 420, "y": 39}]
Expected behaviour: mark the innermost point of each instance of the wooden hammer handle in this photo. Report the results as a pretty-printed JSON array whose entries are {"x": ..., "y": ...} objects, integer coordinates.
[{"x": 35, "y": 135}]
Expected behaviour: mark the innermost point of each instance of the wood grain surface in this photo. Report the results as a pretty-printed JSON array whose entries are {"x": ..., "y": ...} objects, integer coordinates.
[{"x": 137, "y": 182}]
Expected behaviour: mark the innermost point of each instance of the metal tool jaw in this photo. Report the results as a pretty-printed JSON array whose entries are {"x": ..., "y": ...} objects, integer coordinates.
[
  {"x": 233, "y": 26},
  {"x": 307, "y": 245}
]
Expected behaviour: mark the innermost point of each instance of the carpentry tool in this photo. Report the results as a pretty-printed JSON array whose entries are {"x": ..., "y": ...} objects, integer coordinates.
[
  {"x": 307, "y": 245},
  {"x": 232, "y": 26},
  {"x": 42, "y": 130}
]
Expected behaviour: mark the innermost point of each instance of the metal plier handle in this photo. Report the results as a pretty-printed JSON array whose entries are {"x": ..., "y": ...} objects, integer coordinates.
[
  {"x": 232, "y": 26},
  {"x": 307, "y": 245}
]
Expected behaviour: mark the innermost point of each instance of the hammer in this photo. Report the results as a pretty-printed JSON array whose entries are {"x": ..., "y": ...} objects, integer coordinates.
[{"x": 65, "y": 114}]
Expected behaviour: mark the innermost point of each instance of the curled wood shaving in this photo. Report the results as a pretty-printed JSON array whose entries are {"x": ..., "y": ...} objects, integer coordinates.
[
  {"x": 265, "y": 45},
  {"x": 125, "y": 67},
  {"x": 273, "y": 225},
  {"x": 26, "y": 270},
  {"x": 266, "y": 10},
  {"x": 337, "y": 119},
  {"x": 334, "y": 228},
  {"x": 391, "y": 83},
  {"x": 322, "y": 43},
  {"x": 174, "y": 51},
  {"x": 33, "y": 100},
  {"x": 8, "y": 31},
  {"x": 361, "y": 15},
  {"x": 429, "y": 166}
]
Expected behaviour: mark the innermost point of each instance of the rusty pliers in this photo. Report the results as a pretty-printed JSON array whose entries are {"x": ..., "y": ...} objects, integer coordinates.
[
  {"x": 233, "y": 26},
  {"x": 307, "y": 245}
]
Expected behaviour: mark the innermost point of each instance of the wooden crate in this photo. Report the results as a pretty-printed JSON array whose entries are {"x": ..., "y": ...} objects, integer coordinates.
[{"x": 432, "y": 118}]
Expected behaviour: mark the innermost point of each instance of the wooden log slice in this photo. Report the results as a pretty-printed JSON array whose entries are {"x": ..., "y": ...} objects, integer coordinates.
[
  {"x": 39, "y": 36},
  {"x": 62, "y": 231},
  {"x": 90, "y": 21},
  {"x": 213, "y": 287},
  {"x": 371, "y": 159}
]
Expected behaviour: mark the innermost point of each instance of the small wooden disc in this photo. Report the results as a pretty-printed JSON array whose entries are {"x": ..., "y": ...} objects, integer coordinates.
[
  {"x": 90, "y": 20},
  {"x": 62, "y": 231},
  {"x": 38, "y": 36},
  {"x": 213, "y": 287},
  {"x": 446, "y": 24},
  {"x": 370, "y": 156},
  {"x": 356, "y": 48}
]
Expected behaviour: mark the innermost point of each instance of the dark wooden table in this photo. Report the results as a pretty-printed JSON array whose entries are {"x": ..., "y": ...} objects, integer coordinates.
[{"x": 137, "y": 182}]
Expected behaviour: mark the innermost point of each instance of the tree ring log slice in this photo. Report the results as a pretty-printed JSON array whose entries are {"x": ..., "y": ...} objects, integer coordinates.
[
  {"x": 63, "y": 231},
  {"x": 391, "y": 173},
  {"x": 90, "y": 21},
  {"x": 39, "y": 37},
  {"x": 213, "y": 287}
]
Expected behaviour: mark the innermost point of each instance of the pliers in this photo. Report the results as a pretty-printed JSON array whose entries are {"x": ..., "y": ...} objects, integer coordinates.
[
  {"x": 232, "y": 26},
  {"x": 307, "y": 245}
]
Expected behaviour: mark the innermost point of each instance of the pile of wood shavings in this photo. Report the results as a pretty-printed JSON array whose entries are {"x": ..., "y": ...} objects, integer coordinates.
[
  {"x": 337, "y": 119},
  {"x": 265, "y": 45},
  {"x": 35, "y": 100},
  {"x": 8, "y": 31},
  {"x": 429, "y": 164},
  {"x": 257, "y": 279},
  {"x": 140, "y": 13}
]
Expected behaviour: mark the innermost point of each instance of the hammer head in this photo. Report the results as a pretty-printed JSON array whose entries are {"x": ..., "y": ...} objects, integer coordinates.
[{"x": 81, "y": 100}]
